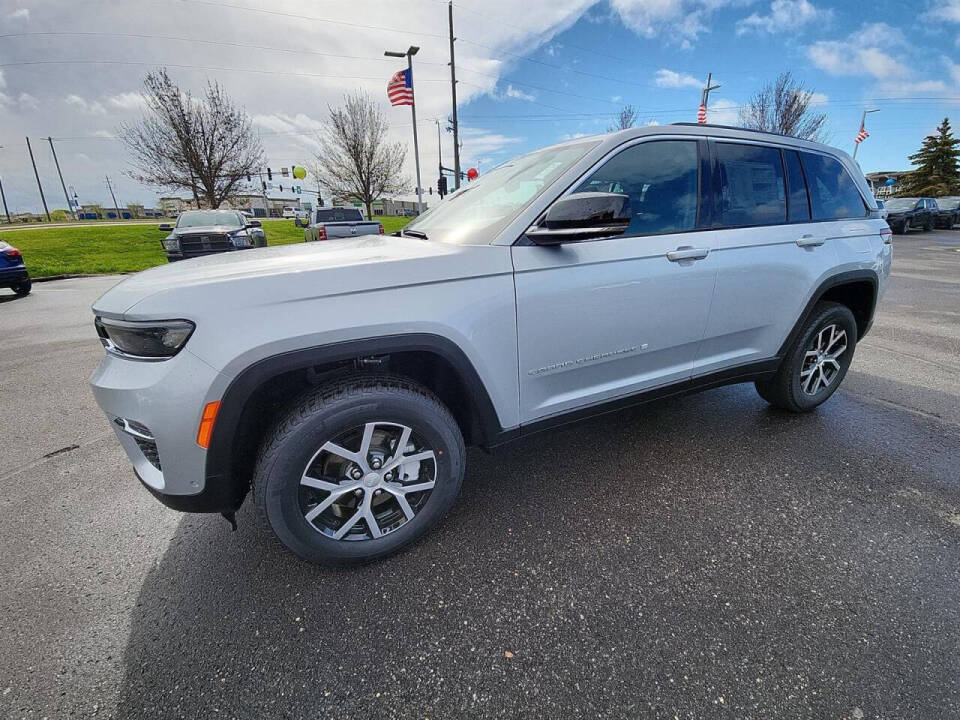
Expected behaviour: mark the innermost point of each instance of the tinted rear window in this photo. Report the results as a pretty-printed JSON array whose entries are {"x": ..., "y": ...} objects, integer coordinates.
[
  {"x": 751, "y": 185},
  {"x": 799, "y": 206},
  {"x": 338, "y": 215},
  {"x": 833, "y": 194}
]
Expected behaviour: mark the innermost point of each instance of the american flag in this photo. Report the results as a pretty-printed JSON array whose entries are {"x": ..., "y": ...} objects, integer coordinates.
[
  {"x": 862, "y": 135},
  {"x": 702, "y": 114},
  {"x": 400, "y": 88}
]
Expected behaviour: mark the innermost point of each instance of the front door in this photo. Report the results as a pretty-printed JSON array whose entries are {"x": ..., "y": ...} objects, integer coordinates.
[{"x": 602, "y": 319}]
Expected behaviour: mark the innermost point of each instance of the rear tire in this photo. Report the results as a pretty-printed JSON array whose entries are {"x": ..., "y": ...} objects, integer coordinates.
[
  {"x": 331, "y": 478},
  {"x": 22, "y": 288},
  {"x": 816, "y": 362}
]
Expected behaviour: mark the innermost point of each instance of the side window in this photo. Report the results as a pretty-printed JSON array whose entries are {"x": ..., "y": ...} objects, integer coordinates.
[
  {"x": 799, "y": 205},
  {"x": 661, "y": 178},
  {"x": 833, "y": 194},
  {"x": 751, "y": 185}
]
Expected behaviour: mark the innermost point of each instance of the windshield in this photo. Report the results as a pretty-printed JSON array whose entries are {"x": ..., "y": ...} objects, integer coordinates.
[
  {"x": 901, "y": 204},
  {"x": 474, "y": 215},
  {"x": 202, "y": 218},
  {"x": 338, "y": 215}
]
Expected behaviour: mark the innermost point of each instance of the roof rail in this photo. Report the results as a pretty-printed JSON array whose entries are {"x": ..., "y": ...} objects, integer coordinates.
[{"x": 734, "y": 127}]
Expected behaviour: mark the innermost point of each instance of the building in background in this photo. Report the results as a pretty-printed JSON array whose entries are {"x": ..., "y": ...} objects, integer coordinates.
[{"x": 880, "y": 182}]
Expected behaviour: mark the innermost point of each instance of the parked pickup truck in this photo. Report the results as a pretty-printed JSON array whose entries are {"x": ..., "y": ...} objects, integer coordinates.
[{"x": 339, "y": 222}]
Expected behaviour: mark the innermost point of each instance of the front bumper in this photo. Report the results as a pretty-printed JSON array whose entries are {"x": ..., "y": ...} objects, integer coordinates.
[{"x": 165, "y": 401}]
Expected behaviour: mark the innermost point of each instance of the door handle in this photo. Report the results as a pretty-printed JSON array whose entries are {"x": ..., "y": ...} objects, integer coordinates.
[
  {"x": 809, "y": 241},
  {"x": 686, "y": 252}
]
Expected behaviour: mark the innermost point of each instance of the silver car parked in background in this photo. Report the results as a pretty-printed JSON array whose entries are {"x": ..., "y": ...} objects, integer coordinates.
[{"x": 340, "y": 382}]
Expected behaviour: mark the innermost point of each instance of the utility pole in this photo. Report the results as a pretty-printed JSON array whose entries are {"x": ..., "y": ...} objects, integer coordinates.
[
  {"x": 5, "y": 210},
  {"x": 56, "y": 162},
  {"x": 37, "y": 175},
  {"x": 704, "y": 97},
  {"x": 453, "y": 90},
  {"x": 116, "y": 206},
  {"x": 411, "y": 51},
  {"x": 863, "y": 130}
]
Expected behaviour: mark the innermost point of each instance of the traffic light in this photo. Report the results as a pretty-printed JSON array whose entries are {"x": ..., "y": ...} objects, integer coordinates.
[
  {"x": 248, "y": 177},
  {"x": 442, "y": 185},
  {"x": 269, "y": 174}
]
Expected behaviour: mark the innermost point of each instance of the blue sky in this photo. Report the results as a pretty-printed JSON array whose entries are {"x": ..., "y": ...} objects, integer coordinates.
[
  {"x": 532, "y": 72},
  {"x": 850, "y": 65}
]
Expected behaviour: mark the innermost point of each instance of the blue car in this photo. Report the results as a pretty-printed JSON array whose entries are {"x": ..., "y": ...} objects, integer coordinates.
[{"x": 13, "y": 273}]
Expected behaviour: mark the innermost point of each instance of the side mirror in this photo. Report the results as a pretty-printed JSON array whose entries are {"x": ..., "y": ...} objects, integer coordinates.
[
  {"x": 165, "y": 227},
  {"x": 583, "y": 216},
  {"x": 253, "y": 223}
]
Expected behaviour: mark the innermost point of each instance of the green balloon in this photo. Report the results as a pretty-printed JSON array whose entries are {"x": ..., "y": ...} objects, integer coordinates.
[{"x": 299, "y": 172}]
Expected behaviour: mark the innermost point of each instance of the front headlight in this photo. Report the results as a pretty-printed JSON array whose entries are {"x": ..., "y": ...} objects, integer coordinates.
[
  {"x": 171, "y": 245},
  {"x": 241, "y": 239},
  {"x": 152, "y": 340}
]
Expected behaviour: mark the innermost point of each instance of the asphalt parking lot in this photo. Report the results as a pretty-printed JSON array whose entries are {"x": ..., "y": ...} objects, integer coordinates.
[{"x": 700, "y": 557}]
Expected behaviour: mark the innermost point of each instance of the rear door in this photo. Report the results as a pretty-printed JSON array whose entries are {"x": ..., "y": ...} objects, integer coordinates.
[
  {"x": 769, "y": 253},
  {"x": 787, "y": 219},
  {"x": 602, "y": 319}
]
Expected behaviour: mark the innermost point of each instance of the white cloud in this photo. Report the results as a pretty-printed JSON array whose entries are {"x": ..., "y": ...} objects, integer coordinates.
[
  {"x": 574, "y": 136},
  {"x": 27, "y": 101},
  {"x": 670, "y": 79},
  {"x": 517, "y": 93},
  {"x": 723, "y": 112},
  {"x": 785, "y": 15},
  {"x": 91, "y": 107},
  {"x": 868, "y": 51},
  {"x": 127, "y": 101},
  {"x": 679, "y": 20},
  {"x": 19, "y": 14},
  {"x": 484, "y": 142},
  {"x": 945, "y": 10},
  {"x": 818, "y": 98}
]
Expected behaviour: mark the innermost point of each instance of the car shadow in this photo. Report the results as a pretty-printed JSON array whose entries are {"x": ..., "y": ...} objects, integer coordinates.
[
  {"x": 642, "y": 563},
  {"x": 11, "y": 296}
]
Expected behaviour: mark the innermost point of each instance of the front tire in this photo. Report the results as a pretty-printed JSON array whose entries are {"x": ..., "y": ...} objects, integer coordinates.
[
  {"x": 816, "y": 362},
  {"x": 358, "y": 469}
]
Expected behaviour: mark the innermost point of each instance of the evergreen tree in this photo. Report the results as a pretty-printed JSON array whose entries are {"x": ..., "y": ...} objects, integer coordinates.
[{"x": 937, "y": 166}]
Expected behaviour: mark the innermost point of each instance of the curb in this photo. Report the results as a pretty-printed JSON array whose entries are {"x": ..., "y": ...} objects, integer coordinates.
[{"x": 49, "y": 278}]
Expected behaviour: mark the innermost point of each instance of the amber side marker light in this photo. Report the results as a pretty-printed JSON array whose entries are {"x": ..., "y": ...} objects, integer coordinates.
[{"x": 205, "y": 431}]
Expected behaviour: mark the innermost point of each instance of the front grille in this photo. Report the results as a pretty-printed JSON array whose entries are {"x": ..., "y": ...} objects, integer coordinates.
[
  {"x": 204, "y": 244},
  {"x": 143, "y": 438}
]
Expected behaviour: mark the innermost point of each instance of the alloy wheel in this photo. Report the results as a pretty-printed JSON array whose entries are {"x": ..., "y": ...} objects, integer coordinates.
[
  {"x": 821, "y": 361},
  {"x": 367, "y": 482}
]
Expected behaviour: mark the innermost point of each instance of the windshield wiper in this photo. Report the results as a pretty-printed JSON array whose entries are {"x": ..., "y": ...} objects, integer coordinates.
[{"x": 414, "y": 233}]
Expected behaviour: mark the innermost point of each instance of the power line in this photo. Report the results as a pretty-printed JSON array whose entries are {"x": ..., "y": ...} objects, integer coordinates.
[
  {"x": 258, "y": 71},
  {"x": 202, "y": 41},
  {"x": 298, "y": 16}
]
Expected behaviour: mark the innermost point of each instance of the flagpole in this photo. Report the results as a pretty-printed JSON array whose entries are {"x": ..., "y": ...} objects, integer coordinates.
[
  {"x": 863, "y": 120},
  {"x": 413, "y": 113},
  {"x": 411, "y": 51}
]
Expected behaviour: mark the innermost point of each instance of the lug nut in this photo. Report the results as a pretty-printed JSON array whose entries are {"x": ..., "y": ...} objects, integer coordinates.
[
  {"x": 377, "y": 492},
  {"x": 375, "y": 463},
  {"x": 356, "y": 474},
  {"x": 358, "y": 492}
]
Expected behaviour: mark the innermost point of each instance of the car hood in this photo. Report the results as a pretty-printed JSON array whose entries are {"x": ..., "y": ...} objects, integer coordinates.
[
  {"x": 292, "y": 273},
  {"x": 206, "y": 229}
]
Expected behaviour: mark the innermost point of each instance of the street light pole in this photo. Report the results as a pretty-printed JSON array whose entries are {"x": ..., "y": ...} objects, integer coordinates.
[{"x": 411, "y": 51}]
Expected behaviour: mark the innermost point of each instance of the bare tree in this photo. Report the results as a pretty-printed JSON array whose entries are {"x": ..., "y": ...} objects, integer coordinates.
[
  {"x": 784, "y": 107},
  {"x": 355, "y": 161},
  {"x": 626, "y": 118},
  {"x": 205, "y": 145}
]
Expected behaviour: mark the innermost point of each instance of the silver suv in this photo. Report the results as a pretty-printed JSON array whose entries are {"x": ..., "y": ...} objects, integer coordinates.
[{"x": 341, "y": 382}]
